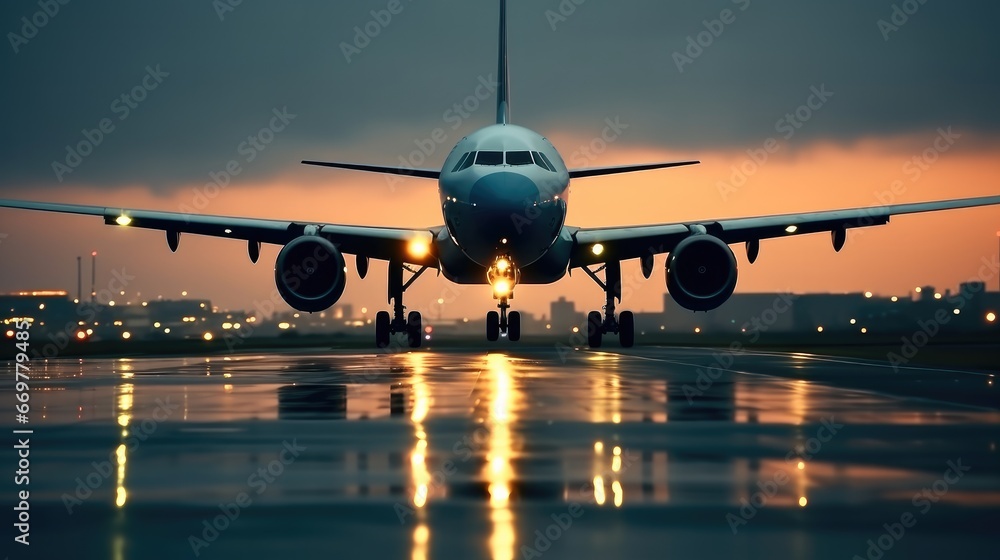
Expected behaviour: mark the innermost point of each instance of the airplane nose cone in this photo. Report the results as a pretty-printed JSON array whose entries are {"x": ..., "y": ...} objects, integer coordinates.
[{"x": 504, "y": 190}]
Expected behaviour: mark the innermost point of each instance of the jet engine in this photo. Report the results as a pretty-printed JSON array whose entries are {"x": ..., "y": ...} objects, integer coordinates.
[
  {"x": 310, "y": 274},
  {"x": 701, "y": 273}
]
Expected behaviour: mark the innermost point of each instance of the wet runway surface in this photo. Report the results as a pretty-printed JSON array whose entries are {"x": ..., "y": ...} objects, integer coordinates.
[{"x": 513, "y": 452}]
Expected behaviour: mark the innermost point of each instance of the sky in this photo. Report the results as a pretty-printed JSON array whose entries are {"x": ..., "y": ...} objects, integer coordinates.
[{"x": 870, "y": 102}]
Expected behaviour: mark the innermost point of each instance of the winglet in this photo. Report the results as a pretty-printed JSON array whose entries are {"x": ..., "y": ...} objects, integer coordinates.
[{"x": 503, "y": 74}]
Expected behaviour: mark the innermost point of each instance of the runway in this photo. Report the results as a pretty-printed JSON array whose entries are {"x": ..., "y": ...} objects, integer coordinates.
[{"x": 509, "y": 452}]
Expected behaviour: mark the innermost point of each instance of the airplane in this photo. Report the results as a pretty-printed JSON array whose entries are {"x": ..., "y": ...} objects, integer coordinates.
[{"x": 504, "y": 191}]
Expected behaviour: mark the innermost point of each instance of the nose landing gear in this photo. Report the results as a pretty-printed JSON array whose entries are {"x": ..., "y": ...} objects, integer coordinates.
[{"x": 503, "y": 276}]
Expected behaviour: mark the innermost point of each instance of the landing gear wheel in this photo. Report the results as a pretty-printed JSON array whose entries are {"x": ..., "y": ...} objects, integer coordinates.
[
  {"x": 492, "y": 326},
  {"x": 626, "y": 329},
  {"x": 414, "y": 329},
  {"x": 595, "y": 328},
  {"x": 382, "y": 329},
  {"x": 514, "y": 326}
]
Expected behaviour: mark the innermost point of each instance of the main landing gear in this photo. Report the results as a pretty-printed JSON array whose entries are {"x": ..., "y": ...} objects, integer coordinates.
[
  {"x": 386, "y": 326},
  {"x": 624, "y": 324},
  {"x": 502, "y": 277}
]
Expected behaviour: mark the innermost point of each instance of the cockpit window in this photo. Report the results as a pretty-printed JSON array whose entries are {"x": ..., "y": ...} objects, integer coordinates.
[
  {"x": 462, "y": 161},
  {"x": 468, "y": 161},
  {"x": 519, "y": 158},
  {"x": 489, "y": 158},
  {"x": 543, "y": 161}
]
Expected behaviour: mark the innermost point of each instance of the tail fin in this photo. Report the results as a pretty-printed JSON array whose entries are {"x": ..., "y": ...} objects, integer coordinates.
[{"x": 503, "y": 75}]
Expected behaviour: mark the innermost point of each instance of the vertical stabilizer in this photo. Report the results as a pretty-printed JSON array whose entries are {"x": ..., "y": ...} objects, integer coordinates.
[{"x": 503, "y": 76}]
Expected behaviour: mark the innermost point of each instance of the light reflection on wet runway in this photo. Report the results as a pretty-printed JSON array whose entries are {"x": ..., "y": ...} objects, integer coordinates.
[{"x": 468, "y": 454}]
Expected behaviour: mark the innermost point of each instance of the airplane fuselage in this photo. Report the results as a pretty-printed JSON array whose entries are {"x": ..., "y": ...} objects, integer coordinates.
[{"x": 504, "y": 192}]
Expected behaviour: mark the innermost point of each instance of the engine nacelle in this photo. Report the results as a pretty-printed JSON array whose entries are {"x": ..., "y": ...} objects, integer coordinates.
[
  {"x": 701, "y": 273},
  {"x": 309, "y": 274}
]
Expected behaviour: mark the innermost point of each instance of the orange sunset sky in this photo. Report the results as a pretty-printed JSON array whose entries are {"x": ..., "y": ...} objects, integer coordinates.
[{"x": 226, "y": 74}]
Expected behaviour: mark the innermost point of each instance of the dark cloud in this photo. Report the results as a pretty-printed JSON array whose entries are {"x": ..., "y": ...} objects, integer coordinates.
[{"x": 605, "y": 59}]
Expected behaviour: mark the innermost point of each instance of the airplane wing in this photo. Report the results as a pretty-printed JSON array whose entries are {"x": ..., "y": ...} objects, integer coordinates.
[
  {"x": 625, "y": 243},
  {"x": 602, "y": 171},
  {"x": 373, "y": 242}
]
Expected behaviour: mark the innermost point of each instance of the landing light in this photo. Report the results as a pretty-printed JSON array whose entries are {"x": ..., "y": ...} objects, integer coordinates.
[
  {"x": 991, "y": 317},
  {"x": 501, "y": 288},
  {"x": 792, "y": 229},
  {"x": 208, "y": 336},
  {"x": 597, "y": 249},
  {"x": 502, "y": 265},
  {"x": 418, "y": 248},
  {"x": 123, "y": 220}
]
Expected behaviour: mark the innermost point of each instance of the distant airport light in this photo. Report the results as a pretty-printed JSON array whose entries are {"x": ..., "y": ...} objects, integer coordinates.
[
  {"x": 427, "y": 337},
  {"x": 894, "y": 299},
  {"x": 864, "y": 330},
  {"x": 208, "y": 336},
  {"x": 958, "y": 312},
  {"x": 363, "y": 311},
  {"x": 938, "y": 296},
  {"x": 184, "y": 293},
  {"x": 792, "y": 229},
  {"x": 227, "y": 326},
  {"x": 111, "y": 303},
  {"x": 869, "y": 295},
  {"x": 10, "y": 334},
  {"x": 854, "y": 321},
  {"x": 803, "y": 501},
  {"x": 41, "y": 306},
  {"x": 575, "y": 329},
  {"x": 90, "y": 332},
  {"x": 166, "y": 330},
  {"x": 418, "y": 248},
  {"x": 820, "y": 329},
  {"x": 123, "y": 220},
  {"x": 919, "y": 289},
  {"x": 156, "y": 325},
  {"x": 503, "y": 241},
  {"x": 598, "y": 249},
  {"x": 991, "y": 317},
  {"x": 697, "y": 330},
  {"x": 126, "y": 335},
  {"x": 81, "y": 335},
  {"x": 284, "y": 326},
  {"x": 802, "y": 465},
  {"x": 548, "y": 327}
]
